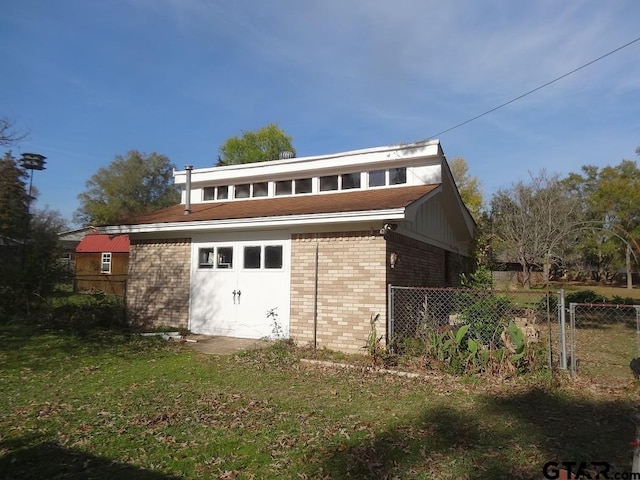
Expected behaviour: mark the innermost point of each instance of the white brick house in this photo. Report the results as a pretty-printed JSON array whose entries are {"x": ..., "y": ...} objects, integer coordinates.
[{"x": 314, "y": 240}]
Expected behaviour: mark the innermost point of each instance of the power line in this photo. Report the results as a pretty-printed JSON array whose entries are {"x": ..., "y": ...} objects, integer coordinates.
[{"x": 536, "y": 89}]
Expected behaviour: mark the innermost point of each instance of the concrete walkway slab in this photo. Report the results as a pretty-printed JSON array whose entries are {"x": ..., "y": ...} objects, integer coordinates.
[{"x": 218, "y": 345}]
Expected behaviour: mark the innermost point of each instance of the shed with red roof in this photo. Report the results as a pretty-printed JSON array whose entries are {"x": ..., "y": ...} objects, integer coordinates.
[{"x": 102, "y": 263}]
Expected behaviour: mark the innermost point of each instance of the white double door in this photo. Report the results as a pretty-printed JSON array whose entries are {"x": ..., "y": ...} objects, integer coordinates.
[{"x": 240, "y": 284}]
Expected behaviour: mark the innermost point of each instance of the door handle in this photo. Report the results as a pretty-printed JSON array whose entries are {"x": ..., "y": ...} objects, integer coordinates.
[{"x": 236, "y": 293}]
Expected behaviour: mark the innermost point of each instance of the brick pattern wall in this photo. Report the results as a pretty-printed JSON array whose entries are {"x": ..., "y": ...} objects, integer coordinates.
[
  {"x": 351, "y": 287},
  {"x": 421, "y": 264},
  {"x": 158, "y": 284}
]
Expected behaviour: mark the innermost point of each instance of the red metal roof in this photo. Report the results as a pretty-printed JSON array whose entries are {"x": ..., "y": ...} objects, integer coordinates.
[{"x": 97, "y": 242}]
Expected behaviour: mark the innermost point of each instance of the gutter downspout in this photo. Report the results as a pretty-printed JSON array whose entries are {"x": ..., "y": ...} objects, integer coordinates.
[
  {"x": 315, "y": 301},
  {"x": 187, "y": 203}
]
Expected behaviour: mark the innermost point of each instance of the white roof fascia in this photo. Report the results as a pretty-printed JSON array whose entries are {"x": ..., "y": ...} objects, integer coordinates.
[
  {"x": 261, "y": 222},
  {"x": 292, "y": 167}
]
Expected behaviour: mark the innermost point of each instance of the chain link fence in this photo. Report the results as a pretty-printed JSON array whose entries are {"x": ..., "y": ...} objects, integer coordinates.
[
  {"x": 595, "y": 341},
  {"x": 417, "y": 313},
  {"x": 602, "y": 340}
]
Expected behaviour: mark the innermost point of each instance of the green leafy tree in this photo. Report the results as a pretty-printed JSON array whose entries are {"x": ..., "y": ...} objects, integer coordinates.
[
  {"x": 14, "y": 199},
  {"x": 42, "y": 267},
  {"x": 596, "y": 252},
  {"x": 616, "y": 200},
  {"x": 29, "y": 248},
  {"x": 134, "y": 184},
  {"x": 468, "y": 186},
  {"x": 261, "y": 145}
]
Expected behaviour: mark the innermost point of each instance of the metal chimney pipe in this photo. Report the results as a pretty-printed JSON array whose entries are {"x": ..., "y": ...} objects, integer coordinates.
[{"x": 187, "y": 203}]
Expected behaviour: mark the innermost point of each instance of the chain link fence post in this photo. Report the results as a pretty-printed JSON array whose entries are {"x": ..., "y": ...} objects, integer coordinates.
[
  {"x": 390, "y": 315},
  {"x": 637, "y": 330},
  {"x": 572, "y": 328},
  {"x": 563, "y": 329}
]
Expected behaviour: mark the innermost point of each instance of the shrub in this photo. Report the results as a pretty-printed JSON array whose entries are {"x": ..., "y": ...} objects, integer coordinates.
[{"x": 486, "y": 315}]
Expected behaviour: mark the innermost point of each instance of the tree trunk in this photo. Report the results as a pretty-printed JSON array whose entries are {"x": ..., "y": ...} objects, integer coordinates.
[
  {"x": 546, "y": 270},
  {"x": 629, "y": 273},
  {"x": 526, "y": 275}
]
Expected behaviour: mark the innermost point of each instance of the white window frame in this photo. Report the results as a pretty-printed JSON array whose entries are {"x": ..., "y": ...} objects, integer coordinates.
[{"x": 106, "y": 259}]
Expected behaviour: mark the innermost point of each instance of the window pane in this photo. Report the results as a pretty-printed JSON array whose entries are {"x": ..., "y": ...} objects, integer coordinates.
[
  {"x": 242, "y": 191},
  {"x": 283, "y": 187},
  {"x": 252, "y": 257},
  {"x": 328, "y": 183},
  {"x": 205, "y": 258},
  {"x": 105, "y": 265},
  {"x": 225, "y": 257},
  {"x": 208, "y": 193},
  {"x": 273, "y": 256},
  {"x": 376, "y": 178},
  {"x": 397, "y": 176},
  {"x": 303, "y": 185},
  {"x": 260, "y": 189},
  {"x": 223, "y": 192},
  {"x": 350, "y": 180}
]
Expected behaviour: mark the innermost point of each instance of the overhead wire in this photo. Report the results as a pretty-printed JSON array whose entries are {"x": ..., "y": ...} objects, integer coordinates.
[{"x": 535, "y": 89}]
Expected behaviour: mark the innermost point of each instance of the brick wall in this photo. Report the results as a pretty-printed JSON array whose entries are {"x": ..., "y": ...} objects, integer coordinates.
[
  {"x": 421, "y": 264},
  {"x": 158, "y": 283},
  {"x": 353, "y": 274},
  {"x": 351, "y": 287}
]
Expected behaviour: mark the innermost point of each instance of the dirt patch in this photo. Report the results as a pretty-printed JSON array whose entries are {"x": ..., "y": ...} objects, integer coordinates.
[{"x": 218, "y": 345}]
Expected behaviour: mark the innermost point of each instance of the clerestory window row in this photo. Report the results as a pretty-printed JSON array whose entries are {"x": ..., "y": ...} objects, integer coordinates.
[{"x": 326, "y": 183}]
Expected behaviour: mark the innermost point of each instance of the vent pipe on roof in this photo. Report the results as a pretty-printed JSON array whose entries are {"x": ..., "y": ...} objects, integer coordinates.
[
  {"x": 286, "y": 154},
  {"x": 187, "y": 202}
]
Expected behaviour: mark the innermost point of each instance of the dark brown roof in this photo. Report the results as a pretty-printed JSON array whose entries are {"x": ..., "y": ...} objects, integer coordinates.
[{"x": 352, "y": 201}]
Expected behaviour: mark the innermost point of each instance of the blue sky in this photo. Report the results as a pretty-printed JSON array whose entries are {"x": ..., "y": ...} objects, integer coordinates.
[{"x": 93, "y": 79}]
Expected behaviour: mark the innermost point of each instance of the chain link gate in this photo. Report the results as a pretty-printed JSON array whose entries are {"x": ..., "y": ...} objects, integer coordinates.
[
  {"x": 603, "y": 339},
  {"x": 417, "y": 312}
]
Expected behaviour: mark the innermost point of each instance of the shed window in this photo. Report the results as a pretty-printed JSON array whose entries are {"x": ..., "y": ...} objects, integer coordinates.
[
  {"x": 397, "y": 176},
  {"x": 105, "y": 263},
  {"x": 242, "y": 191},
  {"x": 210, "y": 257},
  {"x": 252, "y": 257},
  {"x": 377, "y": 178},
  {"x": 328, "y": 183},
  {"x": 350, "y": 180},
  {"x": 206, "y": 257},
  {"x": 273, "y": 256},
  {"x": 304, "y": 185},
  {"x": 208, "y": 193},
  {"x": 260, "y": 189},
  {"x": 283, "y": 187},
  {"x": 223, "y": 192},
  {"x": 225, "y": 257}
]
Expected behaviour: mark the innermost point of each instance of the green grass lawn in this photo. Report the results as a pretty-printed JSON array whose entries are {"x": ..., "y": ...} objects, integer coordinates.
[
  {"x": 608, "y": 291},
  {"x": 104, "y": 405}
]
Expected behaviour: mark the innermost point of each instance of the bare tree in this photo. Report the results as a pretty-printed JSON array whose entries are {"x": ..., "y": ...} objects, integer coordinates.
[
  {"x": 536, "y": 223},
  {"x": 8, "y": 134}
]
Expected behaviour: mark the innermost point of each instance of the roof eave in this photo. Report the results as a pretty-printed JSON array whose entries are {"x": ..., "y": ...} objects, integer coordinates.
[{"x": 261, "y": 222}]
